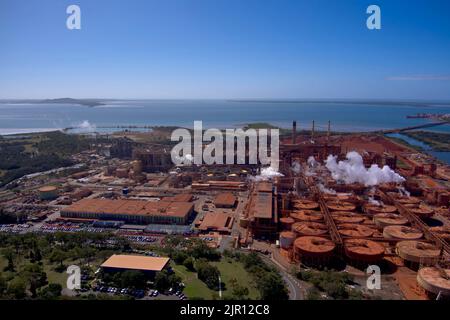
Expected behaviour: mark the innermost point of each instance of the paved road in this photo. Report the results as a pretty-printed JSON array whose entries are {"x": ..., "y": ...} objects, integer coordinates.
[{"x": 295, "y": 290}]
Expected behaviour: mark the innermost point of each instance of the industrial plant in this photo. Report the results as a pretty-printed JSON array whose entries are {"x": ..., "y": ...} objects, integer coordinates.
[{"x": 341, "y": 202}]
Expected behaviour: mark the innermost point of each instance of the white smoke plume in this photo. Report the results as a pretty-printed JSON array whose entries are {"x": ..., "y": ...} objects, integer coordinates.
[
  {"x": 312, "y": 162},
  {"x": 185, "y": 160},
  {"x": 403, "y": 192},
  {"x": 85, "y": 126},
  {"x": 296, "y": 167},
  {"x": 310, "y": 170},
  {"x": 267, "y": 174},
  {"x": 352, "y": 170},
  {"x": 326, "y": 190},
  {"x": 374, "y": 202}
]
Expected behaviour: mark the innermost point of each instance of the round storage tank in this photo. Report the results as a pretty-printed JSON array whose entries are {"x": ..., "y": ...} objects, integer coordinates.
[
  {"x": 443, "y": 232},
  {"x": 307, "y": 215},
  {"x": 382, "y": 220},
  {"x": 306, "y": 228},
  {"x": 408, "y": 200},
  {"x": 305, "y": 205},
  {"x": 286, "y": 223},
  {"x": 422, "y": 211},
  {"x": 374, "y": 209},
  {"x": 287, "y": 239},
  {"x": 313, "y": 250},
  {"x": 355, "y": 230},
  {"x": 402, "y": 233},
  {"x": 418, "y": 252},
  {"x": 341, "y": 206},
  {"x": 363, "y": 251},
  {"x": 48, "y": 193},
  {"x": 347, "y": 217},
  {"x": 434, "y": 280}
]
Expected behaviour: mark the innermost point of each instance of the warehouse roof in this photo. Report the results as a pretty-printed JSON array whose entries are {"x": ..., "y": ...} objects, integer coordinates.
[
  {"x": 132, "y": 207},
  {"x": 225, "y": 199},
  {"x": 217, "y": 222},
  {"x": 144, "y": 263},
  {"x": 263, "y": 205}
]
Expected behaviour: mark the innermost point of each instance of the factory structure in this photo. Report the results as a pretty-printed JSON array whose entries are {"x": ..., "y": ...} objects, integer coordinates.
[
  {"x": 319, "y": 219},
  {"x": 351, "y": 200},
  {"x": 131, "y": 211}
]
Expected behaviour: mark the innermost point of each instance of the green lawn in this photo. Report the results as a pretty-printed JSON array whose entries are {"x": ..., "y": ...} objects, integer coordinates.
[
  {"x": 194, "y": 287},
  {"x": 228, "y": 270},
  {"x": 54, "y": 276},
  {"x": 233, "y": 269}
]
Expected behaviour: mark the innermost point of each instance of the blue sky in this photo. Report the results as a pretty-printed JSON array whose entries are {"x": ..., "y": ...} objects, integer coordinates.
[{"x": 225, "y": 49}]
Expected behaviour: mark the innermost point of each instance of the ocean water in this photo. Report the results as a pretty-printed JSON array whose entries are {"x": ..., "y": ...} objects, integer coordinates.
[
  {"x": 22, "y": 118},
  {"x": 443, "y": 156}
]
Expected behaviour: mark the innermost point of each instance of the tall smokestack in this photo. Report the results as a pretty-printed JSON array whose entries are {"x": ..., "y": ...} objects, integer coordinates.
[
  {"x": 294, "y": 132},
  {"x": 312, "y": 131}
]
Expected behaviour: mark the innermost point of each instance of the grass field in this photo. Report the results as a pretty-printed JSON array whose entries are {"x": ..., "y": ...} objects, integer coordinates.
[{"x": 195, "y": 288}]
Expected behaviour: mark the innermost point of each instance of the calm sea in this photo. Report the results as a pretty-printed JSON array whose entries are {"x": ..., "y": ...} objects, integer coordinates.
[{"x": 19, "y": 118}]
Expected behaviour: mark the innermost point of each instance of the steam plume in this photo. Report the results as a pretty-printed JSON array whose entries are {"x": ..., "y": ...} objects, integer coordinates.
[{"x": 352, "y": 170}]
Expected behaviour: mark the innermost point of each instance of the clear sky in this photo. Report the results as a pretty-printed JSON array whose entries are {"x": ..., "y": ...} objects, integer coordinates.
[{"x": 225, "y": 49}]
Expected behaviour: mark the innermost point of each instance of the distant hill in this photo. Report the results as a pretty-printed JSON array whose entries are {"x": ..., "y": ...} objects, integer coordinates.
[{"x": 83, "y": 102}]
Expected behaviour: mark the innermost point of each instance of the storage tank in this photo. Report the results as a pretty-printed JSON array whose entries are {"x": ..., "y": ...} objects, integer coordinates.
[
  {"x": 286, "y": 223},
  {"x": 382, "y": 220},
  {"x": 48, "y": 193},
  {"x": 355, "y": 230},
  {"x": 287, "y": 239},
  {"x": 307, "y": 215},
  {"x": 363, "y": 251},
  {"x": 340, "y": 206},
  {"x": 422, "y": 211},
  {"x": 402, "y": 233},
  {"x": 374, "y": 209},
  {"x": 306, "y": 228},
  {"x": 418, "y": 252},
  {"x": 443, "y": 232},
  {"x": 137, "y": 166},
  {"x": 313, "y": 250},
  {"x": 347, "y": 217},
  {"x": 434, "y": 280},
  {"x": 305, "y": 205},
  {"x": 122, "y": 173},
  {"x": 408, "y": 200},
  {"x": 243, "y": 222}
]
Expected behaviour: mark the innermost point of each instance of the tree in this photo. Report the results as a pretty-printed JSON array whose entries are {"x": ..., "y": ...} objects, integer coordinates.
[
  {"x": 8, "y": 253},
  {"x": 3, "y": 285},
  {"x": 208, "y": 274},
  {"x": 16, "y": 288},
  {"x": 133, "y": 279},
  {"x": 189, "y": 263},
  {"x": 164, "y": 280},
  {"x": 179, "y": 257},
  {"x": 271, "y": 287},
  {"x": 238, "y": 292},
  {"x": 50, "y": 292},
  {"x": 57, "y": 255},
  {"x": 35, "y": 276}
]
